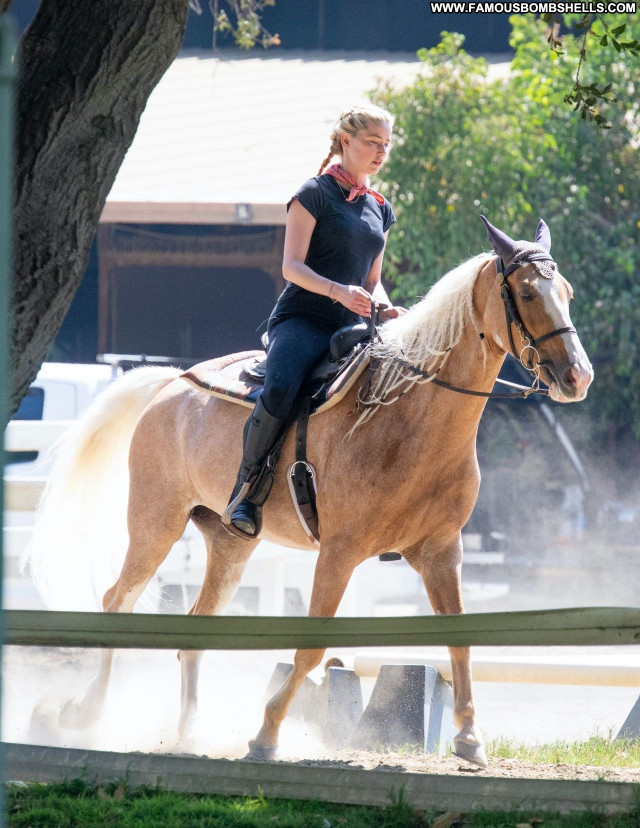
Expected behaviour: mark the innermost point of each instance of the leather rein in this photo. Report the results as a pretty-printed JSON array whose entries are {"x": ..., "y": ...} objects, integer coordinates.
[{"x": 530, "y": 343}]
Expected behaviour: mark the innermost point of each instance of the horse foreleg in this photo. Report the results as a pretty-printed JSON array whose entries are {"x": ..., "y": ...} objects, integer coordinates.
[
  {"x": 329, "y": 583},
  {"x": 227, "y": 557},
  {"x": 440, "y": 569}
]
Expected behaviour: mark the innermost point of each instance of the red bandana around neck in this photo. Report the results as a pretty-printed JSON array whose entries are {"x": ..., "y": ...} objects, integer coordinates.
[{"x": 357, "y": 189}]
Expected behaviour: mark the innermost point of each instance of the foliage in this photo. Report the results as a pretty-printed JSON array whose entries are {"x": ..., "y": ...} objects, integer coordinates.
[
  {"x": 243, "y": 21},
  {"x": 510, "y": 149},
  {"x": 595, "y": 31}
]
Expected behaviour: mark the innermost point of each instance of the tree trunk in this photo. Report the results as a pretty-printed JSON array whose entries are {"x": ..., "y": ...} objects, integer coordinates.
[{"x": 87, "y": 70}]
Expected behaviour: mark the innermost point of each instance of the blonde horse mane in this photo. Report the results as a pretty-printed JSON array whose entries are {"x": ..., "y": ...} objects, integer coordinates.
[{"x": 423, "y": 337}]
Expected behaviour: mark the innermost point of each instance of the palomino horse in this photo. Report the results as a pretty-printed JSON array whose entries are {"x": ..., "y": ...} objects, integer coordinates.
[{"x": 405, "y": 478}]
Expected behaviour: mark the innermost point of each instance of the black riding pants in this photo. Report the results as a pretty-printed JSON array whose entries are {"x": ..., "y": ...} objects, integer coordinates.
[{"x": 295, "y": 345}]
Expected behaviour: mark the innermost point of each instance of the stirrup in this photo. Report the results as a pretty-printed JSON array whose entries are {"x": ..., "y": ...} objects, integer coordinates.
[
  {"x": 232, "y": 530},
  {"x": 233, "y": 504}
]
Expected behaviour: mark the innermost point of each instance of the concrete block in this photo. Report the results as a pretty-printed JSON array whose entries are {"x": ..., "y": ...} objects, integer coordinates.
[
  {"x": 631, "y": 727},
  {"x": 334, "y": 706},
  {"x": 410, "y": 704}
]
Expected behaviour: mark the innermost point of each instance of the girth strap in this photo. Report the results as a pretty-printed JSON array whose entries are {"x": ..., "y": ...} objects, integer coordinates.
[{"x": 302, "y": 478}]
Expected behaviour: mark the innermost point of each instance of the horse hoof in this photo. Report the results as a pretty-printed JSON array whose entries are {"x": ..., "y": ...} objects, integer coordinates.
[
  {"x": 75, "y": 717},
  {"x": 257, "y": 751},
  {"x": 472, "y": 752}
]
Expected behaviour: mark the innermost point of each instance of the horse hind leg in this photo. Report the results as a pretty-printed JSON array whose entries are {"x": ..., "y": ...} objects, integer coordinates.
[
  {"x": 227, "y": 556},
  {"x": 151, "y": 539}
]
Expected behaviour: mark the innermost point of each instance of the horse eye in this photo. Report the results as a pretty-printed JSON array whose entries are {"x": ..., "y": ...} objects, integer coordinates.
[{"x": 527, "y": 297}]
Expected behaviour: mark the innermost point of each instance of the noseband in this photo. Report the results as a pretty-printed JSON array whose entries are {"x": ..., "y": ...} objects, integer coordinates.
[{"x": 529, "y": 343}]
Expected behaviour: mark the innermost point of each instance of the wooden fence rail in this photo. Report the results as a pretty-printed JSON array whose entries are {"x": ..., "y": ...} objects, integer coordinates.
[{"x": 583, "y": 626}]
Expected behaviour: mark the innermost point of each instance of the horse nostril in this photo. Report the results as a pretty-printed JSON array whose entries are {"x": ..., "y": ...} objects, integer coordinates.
[{"x": 572, "y": 376}]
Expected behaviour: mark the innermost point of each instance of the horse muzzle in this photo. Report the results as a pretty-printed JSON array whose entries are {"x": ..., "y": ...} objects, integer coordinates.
[{"x": 569, "y": 383}]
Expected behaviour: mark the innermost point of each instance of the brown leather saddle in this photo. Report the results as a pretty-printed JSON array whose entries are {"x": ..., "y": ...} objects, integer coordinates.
[{"x": 239, "y": 377}]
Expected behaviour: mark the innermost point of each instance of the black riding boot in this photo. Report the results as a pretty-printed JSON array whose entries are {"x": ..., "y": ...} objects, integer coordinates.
[{"x": 261, "y": 432}]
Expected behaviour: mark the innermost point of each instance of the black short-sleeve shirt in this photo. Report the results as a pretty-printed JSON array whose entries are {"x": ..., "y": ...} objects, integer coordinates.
[{"x": 345, "y": 242}]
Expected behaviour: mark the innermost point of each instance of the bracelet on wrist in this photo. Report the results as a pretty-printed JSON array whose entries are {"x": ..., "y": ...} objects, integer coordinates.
[{"x": 333, "y": 284}]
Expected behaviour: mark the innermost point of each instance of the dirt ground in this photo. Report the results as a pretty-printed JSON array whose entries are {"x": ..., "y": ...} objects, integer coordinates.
[
  {"x": 142, "y": 707},
  {"x": 498, "y": 767}
]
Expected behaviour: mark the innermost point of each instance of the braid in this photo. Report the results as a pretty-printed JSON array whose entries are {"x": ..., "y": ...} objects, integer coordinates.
[{"x": 326, "y": 161}]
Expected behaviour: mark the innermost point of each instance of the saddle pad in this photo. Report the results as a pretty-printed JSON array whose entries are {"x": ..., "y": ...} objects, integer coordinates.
[{"x": 224, "y": 377}]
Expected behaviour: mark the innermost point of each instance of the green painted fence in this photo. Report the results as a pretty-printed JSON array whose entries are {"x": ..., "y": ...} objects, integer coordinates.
[{"x": 584, "y": 626}]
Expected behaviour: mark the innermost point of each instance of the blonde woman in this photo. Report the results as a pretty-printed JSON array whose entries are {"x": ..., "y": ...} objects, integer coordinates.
[{"x": 335, "y": 238}]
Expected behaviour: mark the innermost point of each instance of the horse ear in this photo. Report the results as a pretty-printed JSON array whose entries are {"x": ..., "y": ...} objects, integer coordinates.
[
  {"x": 543, "y": 236},
  {"x": 501, "y": 243}
]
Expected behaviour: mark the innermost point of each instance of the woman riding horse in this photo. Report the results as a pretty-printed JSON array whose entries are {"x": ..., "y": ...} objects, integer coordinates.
[
  {"x": 335, "y": 237},
  {"x": 168, "y": 448}
]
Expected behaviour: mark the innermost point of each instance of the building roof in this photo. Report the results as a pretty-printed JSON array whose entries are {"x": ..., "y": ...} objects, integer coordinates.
[{"x": 222, "y": 132}]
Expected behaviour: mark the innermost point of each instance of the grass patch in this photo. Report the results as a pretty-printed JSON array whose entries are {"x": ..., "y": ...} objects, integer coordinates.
[
  {"x": 603, "y": 751},
  {"x": 76, "y": 804},
  {"x": 598, "y": 750}
]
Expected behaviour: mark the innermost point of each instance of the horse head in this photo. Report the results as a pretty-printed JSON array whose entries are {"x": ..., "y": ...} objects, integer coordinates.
[{"x": 536, "y": 316}]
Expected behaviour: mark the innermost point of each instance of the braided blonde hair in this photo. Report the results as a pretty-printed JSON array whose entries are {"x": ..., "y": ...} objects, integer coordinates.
[{"x": 353, "y": 121}]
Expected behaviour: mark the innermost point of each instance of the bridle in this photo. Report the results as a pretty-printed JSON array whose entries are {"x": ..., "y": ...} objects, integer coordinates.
[{"x": 530, "y": 343}]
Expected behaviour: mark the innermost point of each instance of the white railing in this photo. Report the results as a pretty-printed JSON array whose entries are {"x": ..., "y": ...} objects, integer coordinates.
[{"x": 583, "y": 670}]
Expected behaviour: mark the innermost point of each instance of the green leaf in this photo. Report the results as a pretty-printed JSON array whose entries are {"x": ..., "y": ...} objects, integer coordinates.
[
  {"x": 604, "y": 40},
  {"x": 619, "y": 29}
]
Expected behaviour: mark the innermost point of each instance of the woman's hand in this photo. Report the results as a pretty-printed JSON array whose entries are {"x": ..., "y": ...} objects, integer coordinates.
[
  {"x": 355, "y": 298},
  {"x": 391, "y": 313}
]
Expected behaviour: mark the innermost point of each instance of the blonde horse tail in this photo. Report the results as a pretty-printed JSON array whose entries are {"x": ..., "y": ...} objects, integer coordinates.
[{"x": 80, "y": 535}]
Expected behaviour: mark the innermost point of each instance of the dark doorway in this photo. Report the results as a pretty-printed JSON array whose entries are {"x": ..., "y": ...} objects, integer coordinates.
[{"x": 186, "y": 312}]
